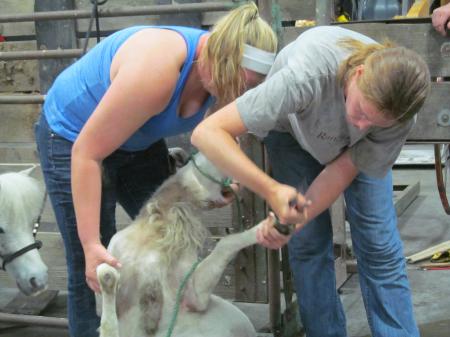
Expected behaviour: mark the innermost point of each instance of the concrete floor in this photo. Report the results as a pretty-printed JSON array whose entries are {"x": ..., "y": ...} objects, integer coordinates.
[{"x": 422, "y": 225}]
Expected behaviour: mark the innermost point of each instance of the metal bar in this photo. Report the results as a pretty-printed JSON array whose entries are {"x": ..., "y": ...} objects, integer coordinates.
[
  {"x": 405, "y": 6},
  {"x": 54, "y": 35},
  {"x": 274, "y": 292},
  {"x": 40, "y": 54},
  {"x": 120, "y": 11},
  {"x": 273, "y": 266},
  {"x": 22, "y": 99},
  {"x": 324, "y": 9},
  {"x": 34, "y": 320}
]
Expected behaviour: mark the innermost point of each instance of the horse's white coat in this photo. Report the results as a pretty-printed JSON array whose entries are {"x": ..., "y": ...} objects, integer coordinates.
[
  {"x": 157, "y": 250},
  {"x": 21, "y": 199}
]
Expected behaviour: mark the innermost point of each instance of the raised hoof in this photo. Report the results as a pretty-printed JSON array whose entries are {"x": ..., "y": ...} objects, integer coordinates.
[{"x": 108, "y": 278}]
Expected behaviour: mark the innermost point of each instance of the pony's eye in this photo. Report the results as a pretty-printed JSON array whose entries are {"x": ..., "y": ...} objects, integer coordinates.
[{"x": 2, "y": 231}]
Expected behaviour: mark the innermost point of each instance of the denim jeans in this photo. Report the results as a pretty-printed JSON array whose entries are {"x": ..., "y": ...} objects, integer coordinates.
[
  {"x": 128, "y": 178},
  {"x": 376, "y": 243}
]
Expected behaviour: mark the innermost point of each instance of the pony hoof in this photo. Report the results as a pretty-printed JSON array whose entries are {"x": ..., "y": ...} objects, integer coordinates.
[{"x": 108, "y": 278}]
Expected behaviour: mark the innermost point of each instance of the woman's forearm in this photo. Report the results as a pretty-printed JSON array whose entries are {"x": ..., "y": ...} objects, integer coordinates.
[
  {"x": 86, "y": 193},
  {"x": 329, "y": 184},
  {"x": 215, "y": 138},
  {"x": 221, "y": 148}
]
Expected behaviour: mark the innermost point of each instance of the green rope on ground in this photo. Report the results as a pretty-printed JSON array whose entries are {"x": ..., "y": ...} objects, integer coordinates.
[{"x": 178, "y": 298}]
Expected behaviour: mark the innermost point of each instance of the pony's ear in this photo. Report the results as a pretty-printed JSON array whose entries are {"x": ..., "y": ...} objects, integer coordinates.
[
  {"x": 178, "y": 157},
  {"x": 28, "y": 171}
]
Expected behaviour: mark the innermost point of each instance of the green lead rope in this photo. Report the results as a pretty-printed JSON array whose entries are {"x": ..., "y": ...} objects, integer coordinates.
[
  {"x": 226, "y": 182},
  {"x": 178, "y": 298}
]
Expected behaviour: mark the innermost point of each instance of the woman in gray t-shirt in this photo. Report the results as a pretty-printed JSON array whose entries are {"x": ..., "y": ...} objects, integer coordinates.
[{"x": 334, "y": 113}]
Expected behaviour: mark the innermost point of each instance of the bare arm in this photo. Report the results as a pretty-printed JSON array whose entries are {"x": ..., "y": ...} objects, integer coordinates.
[
  {"x": 130, "y": 101},
  {"x": 324, "y": 190},
  {"x": 330, "y": 183},
  {"x": 440, "y": 19},
  {"x": 215, "y": 137}
]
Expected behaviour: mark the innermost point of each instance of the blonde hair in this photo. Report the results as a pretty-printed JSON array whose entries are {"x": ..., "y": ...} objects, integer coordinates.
[
  {"x": 395, "y": 79},
  {"x": 224, "y": 48}
]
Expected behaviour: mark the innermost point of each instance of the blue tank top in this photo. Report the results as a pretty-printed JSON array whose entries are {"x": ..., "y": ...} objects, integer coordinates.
[{"x": 77, "y": 91}]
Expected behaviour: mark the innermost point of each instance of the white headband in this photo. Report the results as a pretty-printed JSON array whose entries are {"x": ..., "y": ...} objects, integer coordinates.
[{"x": 257, "y": 59}]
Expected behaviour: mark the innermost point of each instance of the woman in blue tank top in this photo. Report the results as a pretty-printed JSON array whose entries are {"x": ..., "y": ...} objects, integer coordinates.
[{"x": 101, "y": 134}]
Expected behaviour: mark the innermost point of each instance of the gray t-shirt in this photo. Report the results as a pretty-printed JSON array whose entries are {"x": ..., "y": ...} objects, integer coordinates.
[{"x": 302, "y": 96}]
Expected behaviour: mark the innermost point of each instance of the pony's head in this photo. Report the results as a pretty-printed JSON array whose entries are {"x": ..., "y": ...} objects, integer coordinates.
[
  {"x": 21, "y": 199},
  {"x": 172, "y": 215},
  {"x": 210, "y": 186}
]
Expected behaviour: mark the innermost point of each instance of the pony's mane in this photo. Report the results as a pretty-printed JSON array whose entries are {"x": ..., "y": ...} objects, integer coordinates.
[
  {"x": 172, "y": 216},
  {"x": 21, "y": 198},
  {"x": 174, "y": 230}
]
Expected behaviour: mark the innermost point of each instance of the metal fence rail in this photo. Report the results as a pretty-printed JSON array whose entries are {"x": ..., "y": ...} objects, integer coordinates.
[
  {"x": 40, "y": 54},
  {"x": 120, "y": 11},
  {"x": 54, "y": 322},
  {"x": 22, "y": 99}
]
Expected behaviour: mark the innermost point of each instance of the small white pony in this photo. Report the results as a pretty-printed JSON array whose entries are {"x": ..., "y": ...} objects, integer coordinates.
[
  {"x": 21, "y": 201},
  {"x": 159, "y": 250}
]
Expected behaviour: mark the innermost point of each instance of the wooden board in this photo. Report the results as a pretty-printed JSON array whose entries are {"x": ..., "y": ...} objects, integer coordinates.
[
  {"x": 426, "y": 253},
  {"x": 30, "y": 305},
  {"x": 404, "y": 195}
]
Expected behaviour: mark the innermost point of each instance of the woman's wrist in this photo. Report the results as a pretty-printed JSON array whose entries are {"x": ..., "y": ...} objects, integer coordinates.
[
  {"x": 269, "y": 190},
  {"x": 87, "y": 243}
]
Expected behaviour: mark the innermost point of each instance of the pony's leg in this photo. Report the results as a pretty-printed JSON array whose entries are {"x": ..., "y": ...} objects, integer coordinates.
[
  {"x": 210, "y": 270},
  {"x": 108, "y": 278}
]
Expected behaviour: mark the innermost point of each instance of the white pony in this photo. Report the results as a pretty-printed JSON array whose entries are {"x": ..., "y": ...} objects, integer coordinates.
[
  {"x": 21, "y": 201},
  {"x": 158, "y": 251}
]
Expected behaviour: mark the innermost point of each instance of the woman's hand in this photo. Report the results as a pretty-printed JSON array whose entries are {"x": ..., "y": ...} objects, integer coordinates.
[
  {"x": 268, "y": 236},
  {"x": 289, "y": 205},
  {"x": 440, "y": 19},
  {"x": 96, "y": 254}
]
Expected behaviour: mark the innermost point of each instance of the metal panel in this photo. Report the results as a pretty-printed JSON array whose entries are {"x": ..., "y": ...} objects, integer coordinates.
[
  {"x": 180, "y": 19},
  {"x": 54, "y": 35},
  {"x": 324, "y": 10},
  {"x": 17, "y": 123},
  {"x": 420, "y": 37},
  {"x": 251, "y": 263},
  {"x": 298, "y": 9},
  {"x": 18, "y": 76},
  {"x": 427, "y": 128}
]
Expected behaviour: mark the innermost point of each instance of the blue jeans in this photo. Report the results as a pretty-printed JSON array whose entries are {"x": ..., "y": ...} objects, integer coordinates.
[
  {"x": 128, "y": 178},
  {"x": 377, "y": 247}
]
